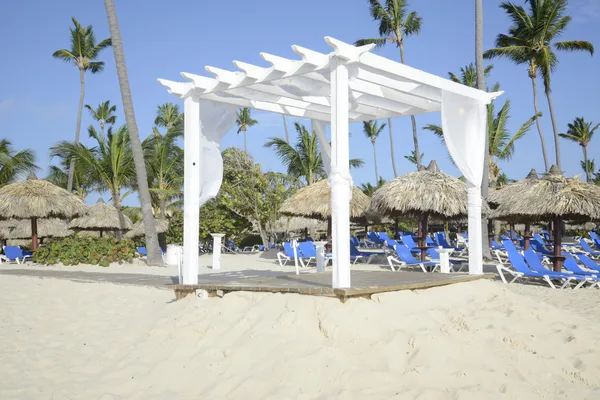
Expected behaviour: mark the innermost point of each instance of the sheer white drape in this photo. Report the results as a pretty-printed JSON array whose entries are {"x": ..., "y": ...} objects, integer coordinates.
[
  {"x": 463, "y": 123},
  {"x": 216, "y": 119}
]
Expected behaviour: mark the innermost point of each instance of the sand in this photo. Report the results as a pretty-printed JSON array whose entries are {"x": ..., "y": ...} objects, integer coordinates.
[{"x": 477, "y": 340}]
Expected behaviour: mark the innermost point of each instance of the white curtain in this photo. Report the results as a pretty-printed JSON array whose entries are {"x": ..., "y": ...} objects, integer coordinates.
[
  {"x": 216, "y": 119},
  {"x": 464, "y": 124},
  {"x": 319, "y": 128}
]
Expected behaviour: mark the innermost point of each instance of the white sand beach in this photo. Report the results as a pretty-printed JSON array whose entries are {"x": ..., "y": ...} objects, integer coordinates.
[{"x": 479, "y": 340}]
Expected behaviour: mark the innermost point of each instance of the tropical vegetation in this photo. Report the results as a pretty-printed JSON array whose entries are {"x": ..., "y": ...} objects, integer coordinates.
[
  {"x": 395, "y": 23},
  {"x": 82, "y": 53},
  {"x": 14, "y": 165},
  {"x": 581, "y": 132},
  {"x": 244, "y": 121},
  {"x": 532, "y": 40}
]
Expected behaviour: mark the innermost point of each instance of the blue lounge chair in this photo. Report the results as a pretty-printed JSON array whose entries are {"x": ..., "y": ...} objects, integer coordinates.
[
  {"x": 374, "y": 238},
  {"x": 441, "y": 239},
  {"x": 308, "y": 251},
  {"x": 520, "y": 270},
  {"x": 16, "y": 254},
  {"x": 356, "y": 254},
  {"x": 287, "y": 254},
  {"x": 595, "y": 238},
  {"x": 405, "y": 258},
  {"x": 536, "y": 265},
  {"x": 384, "y": 236},
  {"x": 142, "y": 250},
  {"x": 571, "y": 265},
  {"x": 589, "y": 263},
  {"x": 409, "y": 242},
  {"x": 354, "y": 240},
  {"x": 585, "y": 246}
]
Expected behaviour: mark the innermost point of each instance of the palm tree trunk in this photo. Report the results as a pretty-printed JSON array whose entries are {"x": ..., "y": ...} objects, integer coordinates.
[
  {"x": 554, "y": 128},
  {"x": 116, "y": 198},
  {"x": 375, "y": 161},
  {"x": 245, "y": 148},
  {"x": 154, "y": 257},
  {"x": 485, "y": 180},
  {"x": 537, "y": 122},
  {"x": 585, "y": 163},
  {"x": 77, "y": 128},
  {"x": 412, "y": 120},
  {"x": 287, "y": 136},
  {"x": 392, "y": 148},
  {"x": 162, "y": 206}
]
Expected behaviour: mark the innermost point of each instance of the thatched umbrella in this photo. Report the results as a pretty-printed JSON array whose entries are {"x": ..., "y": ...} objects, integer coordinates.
[
  {"x": 422, "y": 194},
  {"x": 553, "y": 198},
  {"x": 102, "y": 217},
  {"x": 314, "y": 201},
  {"x": 508, "y": 193},
  {"x": 34, "y": 198},
  {"x": 138, "y": 229},
  {"x": 46, "y": 228}
]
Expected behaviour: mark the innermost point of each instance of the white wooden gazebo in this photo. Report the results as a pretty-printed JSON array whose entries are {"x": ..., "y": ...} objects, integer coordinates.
[{"x": 350, "y": 84}]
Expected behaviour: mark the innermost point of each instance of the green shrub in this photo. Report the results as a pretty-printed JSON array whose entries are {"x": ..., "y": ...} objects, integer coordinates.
[{"x": 86, "y": 250}]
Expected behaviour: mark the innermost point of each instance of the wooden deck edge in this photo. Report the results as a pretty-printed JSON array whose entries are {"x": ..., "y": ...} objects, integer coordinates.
[
  {"x": 181, "y": 291},
  {"x": 357, "y": 292}
]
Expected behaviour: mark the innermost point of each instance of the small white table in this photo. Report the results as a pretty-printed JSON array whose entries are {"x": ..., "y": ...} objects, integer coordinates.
[
  {"x": 217, "y": 239},
  {"x": 320, "y": 248},
  {"x": 444, "y": 259}
]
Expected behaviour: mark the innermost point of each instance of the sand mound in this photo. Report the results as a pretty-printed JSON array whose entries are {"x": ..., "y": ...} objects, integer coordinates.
[{"x": 478, "y": 340}]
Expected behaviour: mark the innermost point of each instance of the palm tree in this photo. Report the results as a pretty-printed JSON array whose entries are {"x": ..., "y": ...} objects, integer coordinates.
[
  {"x": 104, "y": 114},
  {"x": 83, "y": 183},
  {"x": 531, "y": 40},
  {"x": 154, "y": 257},
  {"x": 164, "y": 162},
  {"x": 82, "y": 53},
  {"x": 169, "y": 117},
  {"x": 369, "y": 189},
  {"x": 14, "y": 165},
  {"x": 395, "y": 23},
  {"x": 412, "y": 158},
  {"x": 581, "y": 132},
  {"x": 303, "y": 161},
  {"x": 372, "y": 131},
  {"x": 244, "y": 121},
  {"x": 590, "y": 166},
  {"x": 109, "y": 164}
]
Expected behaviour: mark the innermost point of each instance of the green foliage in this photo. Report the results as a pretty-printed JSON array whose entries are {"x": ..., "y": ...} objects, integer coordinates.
[
  {"x": 251, "y": 193},
  {"x": 14, "y": 165},
  {"x": 175, "y": 229},
  {"x": 84, "y": 49},
  {"x": 164, "y": 159},
  {"x": 413, "y": 158},
  {"x": 303, "y": 161},
  {"x": 109, "y": 164},
  {"x": 214, "y": 218},
  {"x": 76, "y": 250},
  {"x": 531, "y": 39},
  {"x": 369, "y": 189}
]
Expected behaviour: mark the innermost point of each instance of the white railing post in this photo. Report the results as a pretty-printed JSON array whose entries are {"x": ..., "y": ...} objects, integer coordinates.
[
  {"x": 340, "y": 180},
  {"x": 217, "y": 240},
  {"x": 191, "y": 190}
]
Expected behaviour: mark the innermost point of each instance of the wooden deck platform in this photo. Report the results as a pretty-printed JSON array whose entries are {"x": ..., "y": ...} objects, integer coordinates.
[{"x": 364, "y": 284}]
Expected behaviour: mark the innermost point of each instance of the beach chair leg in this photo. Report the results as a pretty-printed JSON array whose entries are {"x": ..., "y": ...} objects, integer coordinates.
[
  {"x": 423, "y": 268},
  {"x": 390, "y": 260},
  {"x": 580, "y": 284},
  {"x": 549, "y": 282}
]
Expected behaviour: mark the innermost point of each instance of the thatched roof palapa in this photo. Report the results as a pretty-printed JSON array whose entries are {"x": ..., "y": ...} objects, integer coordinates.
[
  {"x": 102, "y": 217},
  {"x": 35, "y": 198},
  {"x": 314, "y": 201},
  {"x": 47, "y": 228},
  {"x": 425, "y": 192},
  {"x": 549, "y": 197},
  {"x": 138, "y": 228}
]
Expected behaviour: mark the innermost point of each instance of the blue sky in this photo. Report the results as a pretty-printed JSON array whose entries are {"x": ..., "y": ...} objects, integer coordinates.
[{"x": 39, "y": 95}]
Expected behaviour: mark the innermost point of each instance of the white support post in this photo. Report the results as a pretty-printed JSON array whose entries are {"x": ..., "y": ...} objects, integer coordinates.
[
  {"x": 475, "y": 241},
  {"x": 339, "y": 178},
  {"x": 191, "y": 190}
]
